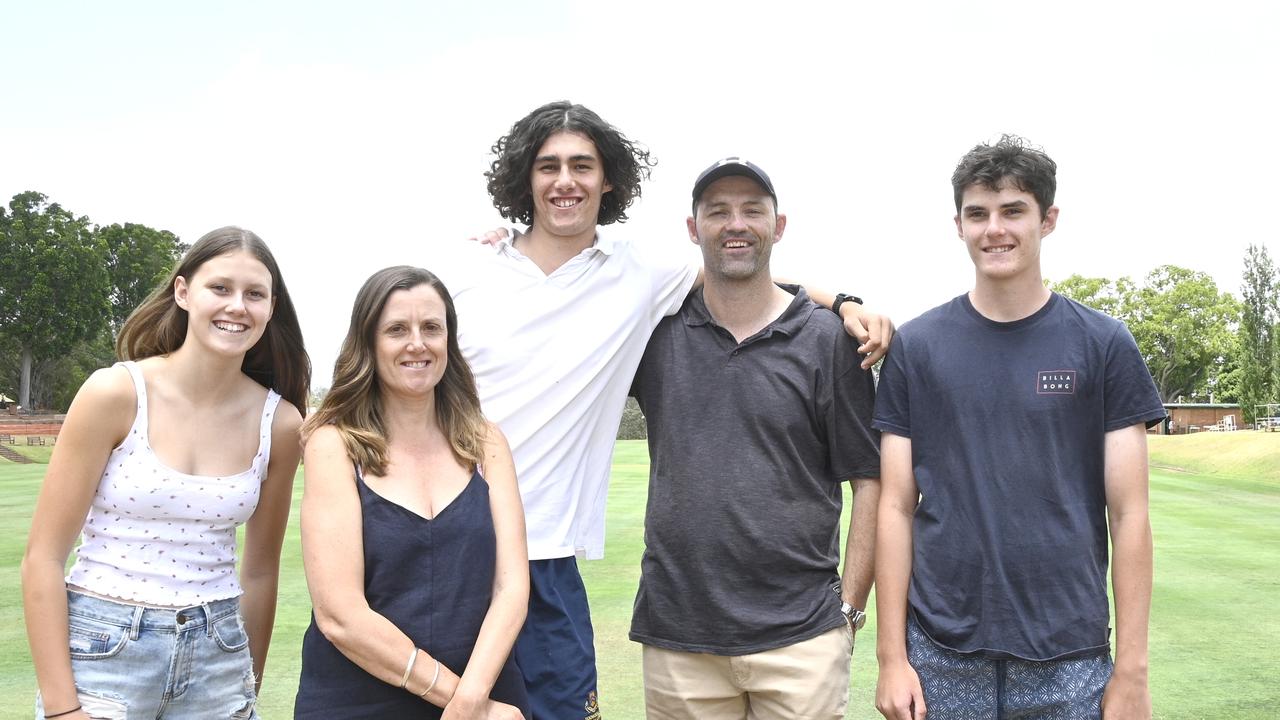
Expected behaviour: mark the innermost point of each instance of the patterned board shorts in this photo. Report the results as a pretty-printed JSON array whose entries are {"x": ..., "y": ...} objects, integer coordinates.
[{"x": 971, "y": 687}]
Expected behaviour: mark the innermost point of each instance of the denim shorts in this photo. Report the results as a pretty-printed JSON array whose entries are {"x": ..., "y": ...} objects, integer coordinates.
[{"x": 139, "y": 662}]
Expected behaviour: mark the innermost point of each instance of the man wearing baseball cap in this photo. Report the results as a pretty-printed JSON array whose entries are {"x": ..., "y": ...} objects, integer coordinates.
[
  {"x": 741, "y": 610},
  {"x": 553, "y": 320}
]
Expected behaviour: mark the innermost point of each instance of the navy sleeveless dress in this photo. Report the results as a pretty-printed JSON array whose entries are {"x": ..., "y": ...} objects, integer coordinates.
[{"x": 434, "y": 580}]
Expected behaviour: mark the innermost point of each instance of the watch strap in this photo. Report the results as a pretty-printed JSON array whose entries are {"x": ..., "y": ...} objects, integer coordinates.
[
  {"x": 841, "y": 299},
  {"x": 856, "y": 618}
]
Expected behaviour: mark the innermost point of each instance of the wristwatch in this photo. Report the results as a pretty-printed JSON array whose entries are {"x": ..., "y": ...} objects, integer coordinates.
[
  {"x": 841, "y": 299},
  {"x": 856, "y": 618}
]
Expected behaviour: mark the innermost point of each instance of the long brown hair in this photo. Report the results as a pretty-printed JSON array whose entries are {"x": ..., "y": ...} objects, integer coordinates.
[
  {"x": 277, "y": 361},
  {"x": 354, "y": 402}
]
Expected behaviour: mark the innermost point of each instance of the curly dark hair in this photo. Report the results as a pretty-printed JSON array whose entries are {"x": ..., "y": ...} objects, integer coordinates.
[
  {"x": 1011, "y": 159},
  {"x": 625, "y": 162}
]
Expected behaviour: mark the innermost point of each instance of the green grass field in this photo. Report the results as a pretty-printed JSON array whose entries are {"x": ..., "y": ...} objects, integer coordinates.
[{"x": 1215, "y": 627}]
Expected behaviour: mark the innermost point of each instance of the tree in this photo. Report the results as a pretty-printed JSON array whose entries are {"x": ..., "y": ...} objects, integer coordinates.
[
  {"x": 1223, "y": 384},
  {"x": 1183, "y": 326},
  {"x": 1100, "y": 294},
  {"x": 315, "y": 398},
  {"x": 138, "y": 259},
  {"x": 1257, "y": 335},
  {"x": 55, "y": 290},
  {"x": 9, "y": 368},
  {"x": 633, "y": 426}
]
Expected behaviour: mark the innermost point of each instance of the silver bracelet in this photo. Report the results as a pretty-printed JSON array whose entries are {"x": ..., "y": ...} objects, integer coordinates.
[
  {"x": 434, "y": 678},
  {"x": 408, "y": 669}
]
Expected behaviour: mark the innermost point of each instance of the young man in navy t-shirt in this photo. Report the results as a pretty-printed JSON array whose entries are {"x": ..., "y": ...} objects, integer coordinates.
[{"x": 1014, "y": 439}]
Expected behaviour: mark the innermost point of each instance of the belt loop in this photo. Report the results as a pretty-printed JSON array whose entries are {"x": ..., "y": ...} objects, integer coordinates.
[
  {"x": 136, "y": 625},
  {"x": 208, "y": 619}
]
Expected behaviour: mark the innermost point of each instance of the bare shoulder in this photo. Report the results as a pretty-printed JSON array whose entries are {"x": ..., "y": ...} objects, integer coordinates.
[
  {"x": 498, "y": 465},
  {"x": 326, "y": 468},
  {"x": 107, "y": 398},
  {"x": 325, "y": 441},
  {"x": 494, "y": 439},
  {"x": 111, "y": 385},
  {"x": 287, "y": 420}
]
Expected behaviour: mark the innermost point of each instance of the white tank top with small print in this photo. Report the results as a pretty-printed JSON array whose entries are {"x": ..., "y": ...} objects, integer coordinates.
[{"x": 156, "y": 536}]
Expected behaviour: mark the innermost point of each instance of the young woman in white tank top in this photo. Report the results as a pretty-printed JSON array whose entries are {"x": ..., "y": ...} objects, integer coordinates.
[{"x": 161, "y": 457}]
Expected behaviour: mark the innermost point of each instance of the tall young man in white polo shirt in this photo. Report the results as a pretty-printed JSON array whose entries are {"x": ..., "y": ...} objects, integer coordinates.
[{"x": 554, "y": 321}]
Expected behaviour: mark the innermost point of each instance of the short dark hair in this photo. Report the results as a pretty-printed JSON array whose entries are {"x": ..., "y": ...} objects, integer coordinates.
[
  {"x": 1011, "y": 159},
  {"x": 625, "y": 163}
]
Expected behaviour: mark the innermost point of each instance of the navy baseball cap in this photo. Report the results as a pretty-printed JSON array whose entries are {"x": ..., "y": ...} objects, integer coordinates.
[{"x": 732, "y": 166}]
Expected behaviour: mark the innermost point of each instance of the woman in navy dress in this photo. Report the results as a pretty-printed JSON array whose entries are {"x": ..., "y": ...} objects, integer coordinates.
[{"x": 412, "y": 530}]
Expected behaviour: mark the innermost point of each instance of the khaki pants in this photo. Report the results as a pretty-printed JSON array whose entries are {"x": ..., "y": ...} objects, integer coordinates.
[{"x": 804, "y": 681}]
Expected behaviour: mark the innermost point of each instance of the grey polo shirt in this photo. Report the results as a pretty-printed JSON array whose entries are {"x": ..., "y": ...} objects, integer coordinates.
[{"x": 748, "y": 445}]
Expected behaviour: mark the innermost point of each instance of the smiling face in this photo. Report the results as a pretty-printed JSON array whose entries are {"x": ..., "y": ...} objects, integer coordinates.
[
  {"x": 736, "y": 226},
  {"x": 411, "y": 342},
  {"x": 1002, "y": 229},
  {"x": 568, "y": 182},
  {"x": 228, "y": 302}
]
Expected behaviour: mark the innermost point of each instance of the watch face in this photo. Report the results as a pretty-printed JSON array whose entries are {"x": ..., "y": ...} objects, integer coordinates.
[{"x": 857, "y": 618}]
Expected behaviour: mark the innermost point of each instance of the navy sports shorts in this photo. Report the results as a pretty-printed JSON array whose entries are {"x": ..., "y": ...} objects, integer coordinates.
[{"x": 556, "y": 647}]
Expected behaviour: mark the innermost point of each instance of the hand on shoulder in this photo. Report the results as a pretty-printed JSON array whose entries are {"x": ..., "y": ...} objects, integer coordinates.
[{"x": 491, "y": 237}]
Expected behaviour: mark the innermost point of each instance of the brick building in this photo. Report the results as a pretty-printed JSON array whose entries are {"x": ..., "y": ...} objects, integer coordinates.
[{"x": 1200, "y": 417}]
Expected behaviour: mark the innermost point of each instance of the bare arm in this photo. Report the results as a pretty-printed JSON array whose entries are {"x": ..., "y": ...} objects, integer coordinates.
[
  {"x": 333, "y": 557},
  {"x": 264, "y": 534},
  {"x": 97, "y": 421},
  {"x": 898, "y": 692},
  {"x": 510, "y": 600},
  {"x": 860, "y": 543},
  {"x": 1128, "y": 694},
  {"x": 872, "y": 330}
]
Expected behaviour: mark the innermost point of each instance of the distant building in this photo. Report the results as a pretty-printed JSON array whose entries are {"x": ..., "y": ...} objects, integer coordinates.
[{"x": 1200, "y": 417}]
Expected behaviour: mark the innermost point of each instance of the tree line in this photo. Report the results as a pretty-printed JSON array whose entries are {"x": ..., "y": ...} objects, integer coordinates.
[
  {"x": 1200, "y": 344},
  {"x": 66, "y": 287}
]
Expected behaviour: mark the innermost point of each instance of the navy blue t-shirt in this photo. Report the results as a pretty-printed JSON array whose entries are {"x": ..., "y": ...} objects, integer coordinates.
[{"x": 1007, "y": 424}]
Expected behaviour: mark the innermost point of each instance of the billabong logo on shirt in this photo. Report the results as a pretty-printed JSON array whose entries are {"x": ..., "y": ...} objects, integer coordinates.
[{"x": 1056, "y": 382}]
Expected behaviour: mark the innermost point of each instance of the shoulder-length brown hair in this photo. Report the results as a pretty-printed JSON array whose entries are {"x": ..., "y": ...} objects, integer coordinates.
[
  {"x": 354, "y": 402},
  {"x": 277, "y": 361}
]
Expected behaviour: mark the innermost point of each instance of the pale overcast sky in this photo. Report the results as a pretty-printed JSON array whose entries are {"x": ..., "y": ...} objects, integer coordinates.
[{"x": 352, "y": 136}]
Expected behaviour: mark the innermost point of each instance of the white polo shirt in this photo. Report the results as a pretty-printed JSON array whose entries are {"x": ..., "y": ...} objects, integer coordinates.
[{"x": 554, "y": 356}]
